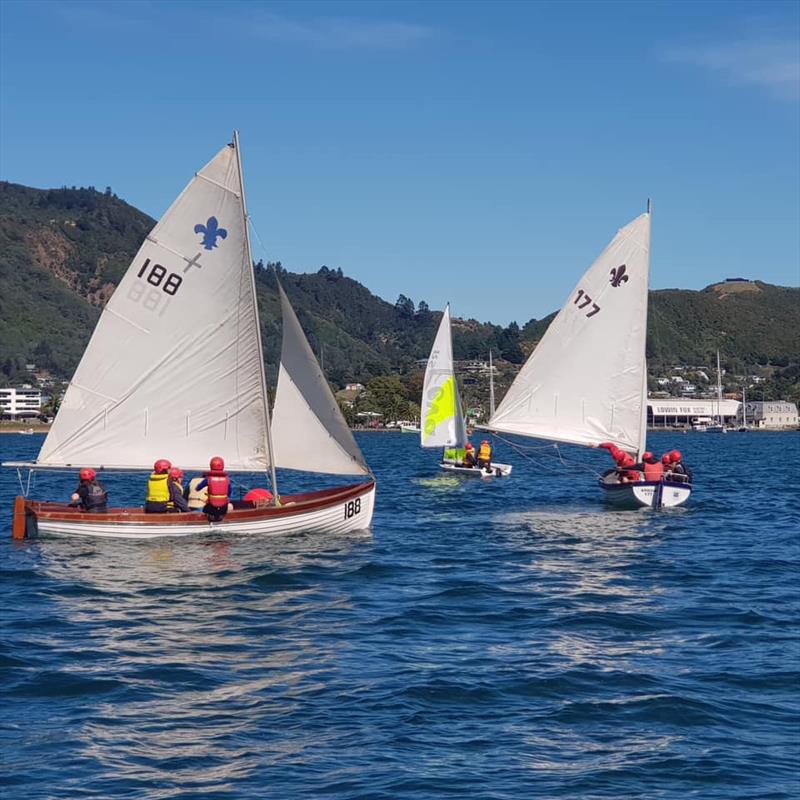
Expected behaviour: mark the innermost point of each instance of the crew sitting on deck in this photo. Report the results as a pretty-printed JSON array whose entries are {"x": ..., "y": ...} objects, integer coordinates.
[
  {"x": 667, "y": 462},
  {"x": 219, "y": 489},
  {"x": 196, "y": 497},
  {"x": 157, "y": 488},
  {"x": 469, "y": 456},
  {"x": 652, "y": 467},
  {"x": 680, "y": 472},
  {"x": 177, "y": 502},
  {"x": 90, "y": 496},
  {"x": 624, "y": 464},
  {"x": 485, "y": 455}
]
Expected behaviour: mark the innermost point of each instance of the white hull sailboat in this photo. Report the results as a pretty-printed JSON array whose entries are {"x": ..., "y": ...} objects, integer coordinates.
[
  {"x": 442, "y": 414},
  {"x": 174, "y": 369},
  {"x": 586, "y": 381}
]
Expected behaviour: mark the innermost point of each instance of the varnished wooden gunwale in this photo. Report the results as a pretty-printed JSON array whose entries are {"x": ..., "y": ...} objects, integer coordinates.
[{"x": 291, "y": 506}]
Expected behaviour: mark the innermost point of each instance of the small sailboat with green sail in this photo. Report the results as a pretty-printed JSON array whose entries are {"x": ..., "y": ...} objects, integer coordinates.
[{"x": 442, "y": 421}]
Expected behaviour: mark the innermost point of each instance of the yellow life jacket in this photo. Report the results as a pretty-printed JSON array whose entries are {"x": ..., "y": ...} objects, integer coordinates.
[
  {"x": 197, "y": 498},
  {"x": 157, "y": 489},
  {"x": 485, "y": 453}
]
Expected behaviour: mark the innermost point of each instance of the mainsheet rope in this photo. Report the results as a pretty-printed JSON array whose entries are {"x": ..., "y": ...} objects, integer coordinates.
[{"x": 551, "y": 451}]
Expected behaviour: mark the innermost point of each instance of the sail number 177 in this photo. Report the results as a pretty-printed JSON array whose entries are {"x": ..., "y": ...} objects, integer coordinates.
[{"x": 582, "y": 300}]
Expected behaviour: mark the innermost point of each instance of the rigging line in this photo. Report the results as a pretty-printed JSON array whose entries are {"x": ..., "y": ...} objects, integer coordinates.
[{"x": 547, "y": 450}]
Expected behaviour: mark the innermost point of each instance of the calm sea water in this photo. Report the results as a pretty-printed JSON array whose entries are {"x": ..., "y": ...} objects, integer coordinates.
[{"x": 495, "y": 639}]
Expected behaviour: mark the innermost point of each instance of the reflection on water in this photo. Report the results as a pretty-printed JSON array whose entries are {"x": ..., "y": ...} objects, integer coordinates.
[{"x": 500, "y": 639}]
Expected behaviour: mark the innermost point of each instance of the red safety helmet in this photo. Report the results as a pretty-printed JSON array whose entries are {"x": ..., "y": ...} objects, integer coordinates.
[
  {"x": 485, "y": 441},
  {"x": 87, "y": 474},
  {"x": 675, "y": 456},
  {"x": 177, "y": 473},
  {"x": 665, "y": 459},
  {"x": 217, "y": 463},
  {"x": 647, "y": 456},
  {"x": 469, "y": 446},
  {"x": 162, "y": 465}
]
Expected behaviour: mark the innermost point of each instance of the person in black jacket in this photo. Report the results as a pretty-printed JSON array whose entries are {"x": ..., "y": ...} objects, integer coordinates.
[
  {"x": 90, "y": 496},
  {"x": 177, "y": 502}
]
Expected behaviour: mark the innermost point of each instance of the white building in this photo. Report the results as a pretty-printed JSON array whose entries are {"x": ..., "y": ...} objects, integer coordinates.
[
  {"x": 769, "y": 414},
  {"x": 23, "y": 401},
  {"x": 683, "y": 411}
]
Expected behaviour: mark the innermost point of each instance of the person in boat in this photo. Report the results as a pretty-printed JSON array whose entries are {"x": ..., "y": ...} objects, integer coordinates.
[
  {"x": 680, "y": 472},
  {"x": 196, "y": 498},
  {"x": 218, "y": 483},
  {"x": 158, "y": 488},
  {"x": 90, "y": 496},
  {"x": 651, "y": 466},
  {"x": 667, "y": 463},
  {"x": 177, "y": 502},
  {"x": 485, "y": 455},
  {"x": 469, "y": 459},
  {"x": 627, "y": 469}
]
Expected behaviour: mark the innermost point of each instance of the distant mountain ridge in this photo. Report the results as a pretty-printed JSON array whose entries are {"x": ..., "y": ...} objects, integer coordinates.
[{"x": 62, "y": 252}]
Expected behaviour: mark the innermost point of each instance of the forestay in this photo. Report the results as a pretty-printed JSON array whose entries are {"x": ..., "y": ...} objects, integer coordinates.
[
  {"x": 174, "y": 366},
  {"x": 442, "y": 418},
  {"x": 308, "y": 430},
  {"x": 586, "y": 381}
]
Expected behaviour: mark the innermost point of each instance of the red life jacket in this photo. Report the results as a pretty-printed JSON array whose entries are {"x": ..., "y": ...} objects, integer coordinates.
[
  {"x": 218, "y": 489},
  {"x": 654, "y": 472},
  {"x": 632, "y": 475}
]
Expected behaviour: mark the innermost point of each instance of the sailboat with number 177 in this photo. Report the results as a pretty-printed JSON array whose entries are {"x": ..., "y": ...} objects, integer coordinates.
[
  {"x": 586, "y": 381},
  {"x": 174, "y": 369}
]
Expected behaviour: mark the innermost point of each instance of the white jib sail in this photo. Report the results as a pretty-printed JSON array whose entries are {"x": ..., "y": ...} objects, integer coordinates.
[
  {"x": 442, "y": 424},
  {"x": 173, "y": 369},
  {"x": 308, "y": 430},
  {"x": 586, "y": 381}
]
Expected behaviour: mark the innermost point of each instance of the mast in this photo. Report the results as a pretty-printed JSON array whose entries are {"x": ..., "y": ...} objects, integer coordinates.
[
  {"x": 491, "y": 386},
  {"x": 251, "y": 271},
  {"x": 643, "y": 419},
  {"x": 719, "y": 392},
  {"x": 744, "y": 405}
]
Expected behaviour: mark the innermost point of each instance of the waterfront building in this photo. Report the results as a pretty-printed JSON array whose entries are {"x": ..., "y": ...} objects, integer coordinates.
[
  {"x": 771, "y": 414},
  {"x": 682, "y": 412},
  {"x": 20, "y": 401}
]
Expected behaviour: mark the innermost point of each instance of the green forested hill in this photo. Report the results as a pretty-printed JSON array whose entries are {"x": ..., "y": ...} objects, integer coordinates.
[{"x": 63, "y": 250}]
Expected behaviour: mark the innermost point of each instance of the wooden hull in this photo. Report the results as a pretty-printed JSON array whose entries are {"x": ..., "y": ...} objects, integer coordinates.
[
  {"x": 336, "y": 510},
  {"x": 497, "y": 471},
  {"x": 645, "y": 493}
]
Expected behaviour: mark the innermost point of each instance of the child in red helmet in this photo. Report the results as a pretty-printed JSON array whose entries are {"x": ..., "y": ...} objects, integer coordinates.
[
  {"x": 218, "y": 483},
  {"x": 177, "y": 502},
  {"x": 158, "y": 488},
  {"x": 90, "y": 496},
  {"x": 469, "y": 456}
]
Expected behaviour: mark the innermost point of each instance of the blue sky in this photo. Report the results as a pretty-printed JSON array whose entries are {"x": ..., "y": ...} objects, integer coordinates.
[{"x": 481, "y": 153}]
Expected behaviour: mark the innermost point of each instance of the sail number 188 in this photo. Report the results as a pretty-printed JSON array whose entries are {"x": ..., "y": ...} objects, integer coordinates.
[
  {"x": 156, "y": 277},
  {"x": 352, "y": 508}
]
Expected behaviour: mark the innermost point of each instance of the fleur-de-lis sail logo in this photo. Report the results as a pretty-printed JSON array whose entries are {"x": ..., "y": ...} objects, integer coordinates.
[
  {"x": 211, "y": 232},
  {"x": 618, "y": 276}
]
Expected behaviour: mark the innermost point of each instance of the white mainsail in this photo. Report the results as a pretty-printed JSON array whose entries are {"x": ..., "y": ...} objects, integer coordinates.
[
  {"x": 442, "y": 422},
  {"x": 308, "y": 430},
  {"x": 174, "y": 366},
  {"x": 586, "y": 381}
]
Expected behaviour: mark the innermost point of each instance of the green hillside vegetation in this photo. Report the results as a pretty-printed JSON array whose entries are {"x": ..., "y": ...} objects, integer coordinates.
[{"x": 62, "y": 252}]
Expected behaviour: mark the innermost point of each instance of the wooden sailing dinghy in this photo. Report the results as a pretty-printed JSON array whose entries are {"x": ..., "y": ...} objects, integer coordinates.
[
  {"x": 442, "y": 414},
  {"x": 174, "y": 369},
  {"x": 586, "y": 381}
]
